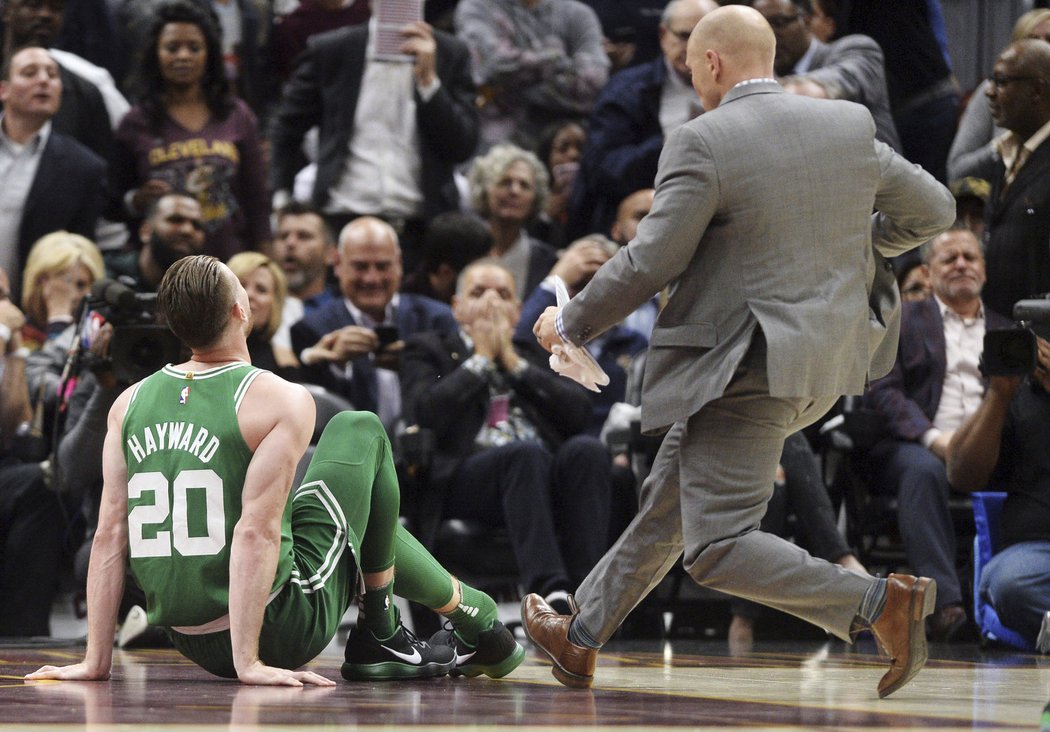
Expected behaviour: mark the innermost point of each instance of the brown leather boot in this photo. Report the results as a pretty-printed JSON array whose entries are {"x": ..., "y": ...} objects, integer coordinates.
[
  {"x": 901, "y": 628},
  {"x": 549, "y": 631}
]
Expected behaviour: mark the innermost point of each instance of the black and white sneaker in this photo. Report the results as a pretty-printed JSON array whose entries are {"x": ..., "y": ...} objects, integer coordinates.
[
  {"x": 496, "y": 653},
  {"x": 401, "y": 656}
]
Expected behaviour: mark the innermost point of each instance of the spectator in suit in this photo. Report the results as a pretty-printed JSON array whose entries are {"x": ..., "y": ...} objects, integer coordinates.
[
  {"x": 508, "y": 188},
  {"x": 31, "y": 519},
  {"x": 973, "y": 151},
  {"x": 92, "y": 106},
  {"x": 934, "y": 386},
  {"x": 389, "y": 134},
  {"x": 508, "y": 444},
  {"x": 1017, "y": 216},
  {"x": 850, "y": 67},
  {"x": 40, "y": 165},
  {"x": 83, "y": 112},
  {"x": 633, "y": 113},
  {"x": 352, "y": 344},
  {"x": 1003, "y": 446},
  {"x": 535, "y": 62}
]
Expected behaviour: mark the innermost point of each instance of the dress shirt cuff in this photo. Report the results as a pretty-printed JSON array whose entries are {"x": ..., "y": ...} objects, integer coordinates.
[
  {"x": 560, "y": 327},
  {"x": 479, "y": 365},
  {"x": 548, "y": 284},
  {"x": 929, "y": 436},
  {"x": 427, "y": 93}
]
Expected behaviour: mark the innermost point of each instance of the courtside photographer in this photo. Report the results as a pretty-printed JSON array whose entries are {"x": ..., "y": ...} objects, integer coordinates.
[{"x": 1003, "y": 447}]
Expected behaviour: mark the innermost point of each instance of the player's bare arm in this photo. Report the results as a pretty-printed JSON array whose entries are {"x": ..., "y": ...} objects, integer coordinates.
[
  {"x": 105, "y": 582},
  {"x": 279, "y": 437}
]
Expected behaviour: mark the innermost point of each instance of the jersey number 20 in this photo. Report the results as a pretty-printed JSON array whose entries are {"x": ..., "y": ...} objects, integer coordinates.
[{"x": 157, "y": 513}]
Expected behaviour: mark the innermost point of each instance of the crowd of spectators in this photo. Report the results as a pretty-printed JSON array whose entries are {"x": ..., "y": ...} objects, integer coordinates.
[{"x": 397, "y": 201}]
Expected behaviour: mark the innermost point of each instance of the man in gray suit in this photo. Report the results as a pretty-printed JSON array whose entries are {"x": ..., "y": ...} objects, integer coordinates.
[
  {"x": 780, "y": 301},
  {"x": 849, "y": 68}
]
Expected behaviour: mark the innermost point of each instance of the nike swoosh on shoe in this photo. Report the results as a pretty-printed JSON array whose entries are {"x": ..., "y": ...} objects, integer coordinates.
[
  {"x": 413, "y": 657},
  {"x": 460, "y": 660}
]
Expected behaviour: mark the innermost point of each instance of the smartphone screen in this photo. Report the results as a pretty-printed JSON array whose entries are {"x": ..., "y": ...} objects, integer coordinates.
[{"x": 391, "y": 16}]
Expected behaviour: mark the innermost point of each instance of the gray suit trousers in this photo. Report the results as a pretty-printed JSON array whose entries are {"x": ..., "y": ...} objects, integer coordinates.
[{"x": 706, "y": 496}]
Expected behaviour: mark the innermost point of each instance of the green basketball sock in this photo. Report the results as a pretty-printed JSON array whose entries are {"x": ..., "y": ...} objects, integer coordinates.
[
  {"x": 476, "y": 612},
  {"x": 378, "y": 611},
  {"x": 420, "y": 578}
]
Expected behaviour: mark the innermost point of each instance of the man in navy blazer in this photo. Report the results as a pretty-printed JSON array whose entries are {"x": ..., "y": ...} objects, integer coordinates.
[
  {"x": 934, "y": 386},
  {"x": 51, "y": 182},
  {"x": 633, "y": 113},
  {"x": 352, "y": 344}
]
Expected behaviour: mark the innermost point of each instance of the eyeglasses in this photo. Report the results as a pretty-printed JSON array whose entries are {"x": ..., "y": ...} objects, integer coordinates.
[
  {"x": 1001, "y": 80},
  {"x": 779, "y": 22}
]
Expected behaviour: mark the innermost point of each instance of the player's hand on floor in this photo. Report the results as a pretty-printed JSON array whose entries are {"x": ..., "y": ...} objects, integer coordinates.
[
  {"x": 76, "y": 672},
  {"x": 261, "y": 675}
]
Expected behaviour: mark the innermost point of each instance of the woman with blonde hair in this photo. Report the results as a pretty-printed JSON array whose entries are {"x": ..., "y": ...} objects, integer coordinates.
[
  {"x": 59, "y": 272},
  {"x": 267, "y": 289}
]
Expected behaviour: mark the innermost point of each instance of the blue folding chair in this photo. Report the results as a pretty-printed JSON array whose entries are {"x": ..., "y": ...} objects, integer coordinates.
[{"x": 986, "y": 510}]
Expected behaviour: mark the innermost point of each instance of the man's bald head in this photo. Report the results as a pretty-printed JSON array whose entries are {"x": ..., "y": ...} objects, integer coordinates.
[
  {"x": 727, "y": 46},
  {"x": 1019, "y": 89}
]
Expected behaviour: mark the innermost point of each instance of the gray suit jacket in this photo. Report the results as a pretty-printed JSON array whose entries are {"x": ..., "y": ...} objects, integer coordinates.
[
  {"x": 851, "y": 68},
  {"x": 763, "y": 217}
]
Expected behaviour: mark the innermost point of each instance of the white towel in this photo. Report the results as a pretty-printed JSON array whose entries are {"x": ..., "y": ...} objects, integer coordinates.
[{"x": 573, "y": 361}]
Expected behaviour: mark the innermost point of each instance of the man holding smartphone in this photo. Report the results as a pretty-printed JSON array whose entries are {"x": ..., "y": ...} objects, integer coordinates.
[
  {"x": 394, "y": 106},
  {"x": 352, "y": 344}
]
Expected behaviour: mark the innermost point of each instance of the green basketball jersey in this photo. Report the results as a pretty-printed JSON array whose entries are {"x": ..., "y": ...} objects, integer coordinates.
[{"x": 186, "y": 461}]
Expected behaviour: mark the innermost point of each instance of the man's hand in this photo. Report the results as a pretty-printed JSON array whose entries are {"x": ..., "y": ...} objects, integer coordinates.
[
  {"x": 579, "y": 262},
  {"x": 76, "y": 672},
  {"x": 487, "y": 328},
  {"x": 419, "y": 42},
  {"x": 345, "y": 344},
  {"x": 61, "y": 297},
  {"x": 544, "y": 330},
  {"x": 939, "y": 446},
  {"x": 259, "y": 674}
]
